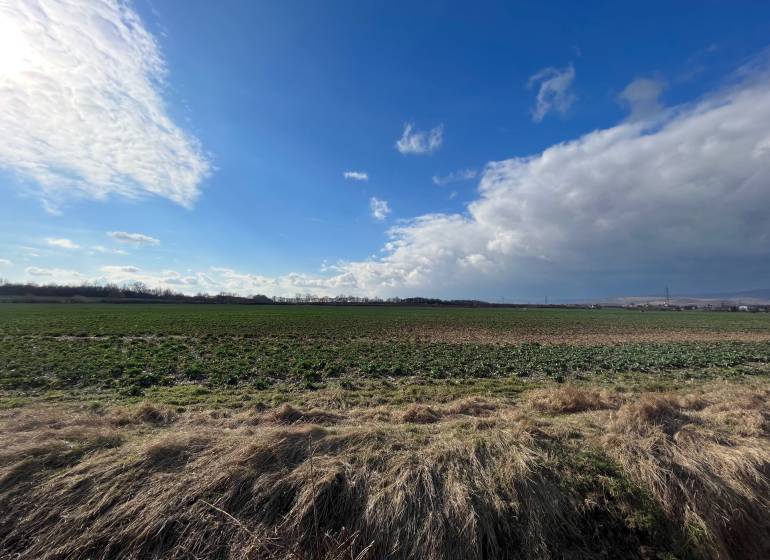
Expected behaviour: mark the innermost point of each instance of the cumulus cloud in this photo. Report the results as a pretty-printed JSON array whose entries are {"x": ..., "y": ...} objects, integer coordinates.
[
  {"x": 380, "y": 208},
  {"x": 419, "y": 141},
  {"x": 133, "y": 238},
  {"x": 62, "y": 243},
  {"x": 642, "y": 97},
  {"x": 553, "y": 91},
  {"x": 638, "y": 198},
  {"x": 455, "y": 176},
  {"x": 356, "y": 175},
  {"x": 5, "y": 262},
  {"x": 81, "y": 86}
]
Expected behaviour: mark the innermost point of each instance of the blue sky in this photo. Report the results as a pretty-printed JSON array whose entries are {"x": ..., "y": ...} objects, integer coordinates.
[{"x": 204, "y": 149}]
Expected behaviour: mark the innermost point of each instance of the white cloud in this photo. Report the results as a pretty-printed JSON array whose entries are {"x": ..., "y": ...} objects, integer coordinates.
[
  {"x": 455, "y": 176},
  {"x": 420, "y": 142},
  {"x": 115, "y": 269},
  {"x": 640, "y": 198},
  {"x": 222, "y": 279},
  {"x": 380, "y": 208},
  {"x": 166, "y": 279},
  {"x": 5, "y": 262},
  {"x": 134, "y": 238},
  {"x": 641, "y": 97},
  {"x": 62, "y": 243},
  {"x": 356, "y": 175},
  {"x": 553, "y": 92},
  {"x": 107, "y": 250},
  {"x": 82, "y": 111}
]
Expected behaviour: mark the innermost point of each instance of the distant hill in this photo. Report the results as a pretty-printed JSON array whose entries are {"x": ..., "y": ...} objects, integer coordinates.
[
  {"x": 761, "y": 293},
  {"x": 759, "y": 296}
]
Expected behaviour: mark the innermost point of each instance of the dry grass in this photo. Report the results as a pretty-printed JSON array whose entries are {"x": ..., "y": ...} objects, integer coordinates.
[
  {"x": 421, "y": 414},
  {"x": 287, "y": 414},
  {"x": 472, "y": 479},
  {"x": 708, "y": 468},
  {"x": 570, "y": 399},
  {"x": 472, "y": 406}
]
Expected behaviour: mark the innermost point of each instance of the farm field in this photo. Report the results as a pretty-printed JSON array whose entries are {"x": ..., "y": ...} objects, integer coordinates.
[
  {"x": 215, "y": 431},
  {"x": 131, "y": 348}
]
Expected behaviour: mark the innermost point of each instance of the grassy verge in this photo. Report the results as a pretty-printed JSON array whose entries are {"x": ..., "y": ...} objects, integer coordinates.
[{"x": 577, "y": 470}]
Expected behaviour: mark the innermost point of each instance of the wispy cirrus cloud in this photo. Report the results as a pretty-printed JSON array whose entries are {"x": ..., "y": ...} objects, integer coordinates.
[
  {"x": 5, "y": 262},
  {"x": 83, "y": 115},
  {"x": 380, "y": 208},
  {"x": 108, "y": 250},
  {"x": 419, "y": 142},
  {"x": 455, "y": 176},
  {"x": 356, "y": 175},
  {"x": 133, "y": 238},
  {"x": 553, "y": 91},
  {"x": 62, "y": 243}
]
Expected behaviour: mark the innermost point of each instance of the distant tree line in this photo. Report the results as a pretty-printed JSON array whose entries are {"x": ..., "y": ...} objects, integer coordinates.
[
  {"x": 132, "y": 291},
  {"x": 138, "y": 292},
  {"x": 306, "y": 299}
]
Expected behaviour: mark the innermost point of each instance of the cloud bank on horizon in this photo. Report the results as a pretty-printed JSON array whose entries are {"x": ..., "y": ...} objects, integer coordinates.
[
  {"x": 690, "y": 184},
  {"x": 81, "y": 106}
]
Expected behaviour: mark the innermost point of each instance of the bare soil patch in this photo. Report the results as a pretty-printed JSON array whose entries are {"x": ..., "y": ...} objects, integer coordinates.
[{"x": 493, "y": 336}]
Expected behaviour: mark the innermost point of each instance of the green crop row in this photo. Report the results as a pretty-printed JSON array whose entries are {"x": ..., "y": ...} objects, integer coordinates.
[{"x": 58, "y": 363}]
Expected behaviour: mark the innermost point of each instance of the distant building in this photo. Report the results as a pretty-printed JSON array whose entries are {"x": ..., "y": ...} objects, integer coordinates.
[{"x": 743, "y": 308}]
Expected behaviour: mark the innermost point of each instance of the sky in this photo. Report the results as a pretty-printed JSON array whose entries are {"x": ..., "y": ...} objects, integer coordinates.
[{"x": 480, "y": 150}]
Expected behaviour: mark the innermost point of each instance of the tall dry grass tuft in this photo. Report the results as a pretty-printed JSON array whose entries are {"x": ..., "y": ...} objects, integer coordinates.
[
  {"x": 472, "y": 406},
  {"x": 421, "y": 414},
  {"x": 708, "y": 477},
  {"x": 478, "y": 480},
  {"x": 569, "y": 399},
  {"x": 153, "y": 414},
  {"x": 374, "y": 490}
]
